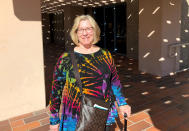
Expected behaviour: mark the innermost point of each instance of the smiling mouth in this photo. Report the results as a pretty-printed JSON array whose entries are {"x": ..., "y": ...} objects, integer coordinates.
[{"x": 86, "y": 38}]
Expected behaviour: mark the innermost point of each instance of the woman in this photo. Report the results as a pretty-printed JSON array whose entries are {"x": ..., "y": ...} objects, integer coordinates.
[{"x": 97, "y": 71}]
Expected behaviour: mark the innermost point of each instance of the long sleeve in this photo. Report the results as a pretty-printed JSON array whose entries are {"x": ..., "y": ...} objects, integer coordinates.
[
  {"x": 115, "y": 84},
  {"x": 59, "y": 79}
]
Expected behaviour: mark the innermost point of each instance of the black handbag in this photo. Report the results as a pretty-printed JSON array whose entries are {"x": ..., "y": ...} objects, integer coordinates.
[{"x": 93, "y": 111}]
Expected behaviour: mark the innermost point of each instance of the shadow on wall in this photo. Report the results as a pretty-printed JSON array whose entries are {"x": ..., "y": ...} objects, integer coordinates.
[{"x": 26, "y": 10}]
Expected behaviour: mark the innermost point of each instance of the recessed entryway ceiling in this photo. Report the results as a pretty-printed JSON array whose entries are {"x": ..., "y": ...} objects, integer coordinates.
[{"x": 48, "y": 6}]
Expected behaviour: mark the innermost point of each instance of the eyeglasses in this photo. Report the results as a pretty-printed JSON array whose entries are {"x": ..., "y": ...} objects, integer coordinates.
[{"x": 88, "y": 30}]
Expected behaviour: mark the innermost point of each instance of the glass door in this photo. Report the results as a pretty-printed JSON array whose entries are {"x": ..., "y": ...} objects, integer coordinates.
[{"x": 112, "y": 22}]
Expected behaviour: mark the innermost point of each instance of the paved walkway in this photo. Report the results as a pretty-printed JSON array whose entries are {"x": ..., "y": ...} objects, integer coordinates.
[{"x": 157, "y": 103}]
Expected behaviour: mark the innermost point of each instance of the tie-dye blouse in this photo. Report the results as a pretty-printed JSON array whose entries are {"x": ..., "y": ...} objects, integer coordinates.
[{"x": 98, "y": 74}]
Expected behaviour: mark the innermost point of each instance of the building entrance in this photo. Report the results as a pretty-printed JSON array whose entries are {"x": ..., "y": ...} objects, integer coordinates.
[{"x": 112, "y": 22}]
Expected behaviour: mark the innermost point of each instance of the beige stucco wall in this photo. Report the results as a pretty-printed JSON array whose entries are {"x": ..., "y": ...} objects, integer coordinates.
[{"x": 21, "y": 70}]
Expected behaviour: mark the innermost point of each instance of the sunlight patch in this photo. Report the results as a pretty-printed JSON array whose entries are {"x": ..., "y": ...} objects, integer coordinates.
[
  {"x": 168, "y": 102},
  {"x": 145, "y": 93},
  {"x": 162, "y": 87}
]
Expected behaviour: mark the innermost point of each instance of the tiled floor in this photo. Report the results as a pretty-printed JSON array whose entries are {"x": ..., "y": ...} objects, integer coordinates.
[{"x": 157, "y": 103}]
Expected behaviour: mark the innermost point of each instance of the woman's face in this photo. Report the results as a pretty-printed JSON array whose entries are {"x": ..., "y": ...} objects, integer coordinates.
[{"x": 85, "y": 32}]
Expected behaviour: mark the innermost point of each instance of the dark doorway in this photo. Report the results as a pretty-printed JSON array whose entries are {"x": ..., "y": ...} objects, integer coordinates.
[
  {"x": 112, "y": 22},
  {"x": 53, "y": 45}
]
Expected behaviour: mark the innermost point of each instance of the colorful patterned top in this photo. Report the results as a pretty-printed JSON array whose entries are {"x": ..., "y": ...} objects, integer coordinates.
[{"x": 97, "y": 72}]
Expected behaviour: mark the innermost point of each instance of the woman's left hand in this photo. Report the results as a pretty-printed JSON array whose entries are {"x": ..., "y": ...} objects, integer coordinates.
[{"x": 125, "y": 109}]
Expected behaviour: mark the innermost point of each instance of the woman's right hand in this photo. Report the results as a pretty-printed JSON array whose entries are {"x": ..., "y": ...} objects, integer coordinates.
[{"x": 54, "y": 127}]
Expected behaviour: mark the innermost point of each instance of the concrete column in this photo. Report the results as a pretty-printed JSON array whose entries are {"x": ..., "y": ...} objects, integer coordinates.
[
  {"x": 159, "y": 28},
  {"x": 184, "y": 49},
  {"x": 170, "y": 31}
]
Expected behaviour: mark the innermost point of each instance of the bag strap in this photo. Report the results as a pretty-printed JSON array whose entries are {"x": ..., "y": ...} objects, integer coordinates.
[{"x": 76, "y": 71}]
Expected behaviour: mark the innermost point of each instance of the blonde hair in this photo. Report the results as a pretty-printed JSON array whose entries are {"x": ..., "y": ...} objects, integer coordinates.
[{"x": 73, "y": 32}]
